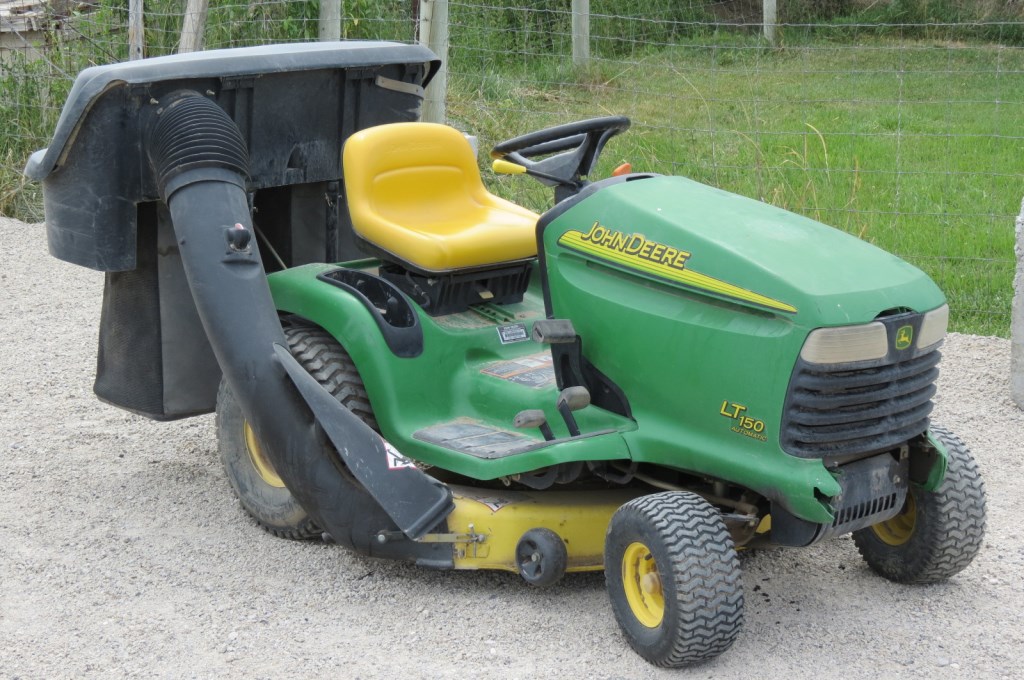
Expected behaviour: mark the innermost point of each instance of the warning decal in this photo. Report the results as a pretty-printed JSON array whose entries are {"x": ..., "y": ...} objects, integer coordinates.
[
  {"x": 495, "y": 503},
  {"x": 493, "y": 500},
  {"x": 396, "y": 461}
]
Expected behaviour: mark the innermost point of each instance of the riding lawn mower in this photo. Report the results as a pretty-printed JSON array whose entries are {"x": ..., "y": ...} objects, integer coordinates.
[{"x": 644, "y": 379}]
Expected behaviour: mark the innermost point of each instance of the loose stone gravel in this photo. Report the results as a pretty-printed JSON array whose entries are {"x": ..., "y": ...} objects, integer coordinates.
[{"x": 124, "y": 553}]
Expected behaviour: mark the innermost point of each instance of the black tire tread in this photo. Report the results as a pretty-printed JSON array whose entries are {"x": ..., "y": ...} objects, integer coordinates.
[
  {"x": 952, "y": 534},
  {"x": 706, "y": 571},
  {"x": 321, "y": 355},
  {"x": 301, "y": 530},
  {"x": 323, "y": 358}
]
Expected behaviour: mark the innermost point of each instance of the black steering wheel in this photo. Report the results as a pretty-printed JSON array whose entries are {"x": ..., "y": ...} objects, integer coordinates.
[{"x": 576, "y": 145}]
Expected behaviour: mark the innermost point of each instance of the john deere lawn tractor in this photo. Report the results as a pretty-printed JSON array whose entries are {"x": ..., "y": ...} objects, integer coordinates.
[{"x": 649, "y": 376}]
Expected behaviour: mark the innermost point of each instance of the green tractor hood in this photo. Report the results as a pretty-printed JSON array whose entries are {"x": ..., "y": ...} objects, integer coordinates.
[
  {"x": 714, "y": 243},
  {"x": 692, "y": 305}
]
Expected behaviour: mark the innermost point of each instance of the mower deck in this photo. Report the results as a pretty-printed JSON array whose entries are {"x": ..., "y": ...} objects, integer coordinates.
[{"x": 487, "y": 525}]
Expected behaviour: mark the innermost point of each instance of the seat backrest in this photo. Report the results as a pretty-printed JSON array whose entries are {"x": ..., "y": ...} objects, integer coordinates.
[
  {"x": 410, "y": 173},
  {"x": 415, "y": 193}
]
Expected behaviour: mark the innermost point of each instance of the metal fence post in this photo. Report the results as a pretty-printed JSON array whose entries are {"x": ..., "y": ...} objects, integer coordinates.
[
  {"x": 434, "y": 34},
  {"x": 1017, "y": 319}
]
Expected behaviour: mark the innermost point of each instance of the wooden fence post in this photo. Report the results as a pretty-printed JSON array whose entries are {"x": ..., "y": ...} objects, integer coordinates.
[
  {"x": 136, "y": 30},
  {"x": 771, "y": 20},
  {"x": 193, "y": 27},
  {"x": 330, "y": 20},
  {"x": 581, "y": 32},
  {"x": 434, "y": 34}
]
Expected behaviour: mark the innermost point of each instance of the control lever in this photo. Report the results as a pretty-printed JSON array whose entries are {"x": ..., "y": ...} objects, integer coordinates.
[
  {"x": 572, "y": 399},
  {"x": 534, "y": 417}
]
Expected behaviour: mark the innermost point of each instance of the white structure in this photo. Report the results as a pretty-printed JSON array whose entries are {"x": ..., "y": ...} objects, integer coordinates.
[
  {"x": 1017, "y": 320},
  {"x": 434, "y": 34},
  {"x": 22, "y": 25}
]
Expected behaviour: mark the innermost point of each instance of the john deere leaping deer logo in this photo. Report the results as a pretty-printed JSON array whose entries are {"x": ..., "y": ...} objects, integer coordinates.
[{"x": 904, "y": 337}]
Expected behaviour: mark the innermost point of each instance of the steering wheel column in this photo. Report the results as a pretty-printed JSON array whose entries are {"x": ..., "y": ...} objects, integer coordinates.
[{"x": 562, "y": 156}]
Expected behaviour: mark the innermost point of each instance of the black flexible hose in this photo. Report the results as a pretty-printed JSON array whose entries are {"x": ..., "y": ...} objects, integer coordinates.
[
  {"x": 200, "y": 161},
  {"x": 191, "y": 132}
]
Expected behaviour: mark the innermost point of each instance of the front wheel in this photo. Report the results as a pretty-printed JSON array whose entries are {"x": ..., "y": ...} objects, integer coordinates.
[
  {"x": 937, "y": 533},
  {"x": 673, "y": 578}
]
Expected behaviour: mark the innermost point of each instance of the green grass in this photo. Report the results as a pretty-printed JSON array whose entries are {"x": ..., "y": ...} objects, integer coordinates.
[{"x": 914, "y": 147}]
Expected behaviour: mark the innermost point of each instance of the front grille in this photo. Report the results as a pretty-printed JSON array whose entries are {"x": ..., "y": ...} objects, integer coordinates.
[
  {"x": 869, "y": 508},
  {"x": 836, "y": 410}
]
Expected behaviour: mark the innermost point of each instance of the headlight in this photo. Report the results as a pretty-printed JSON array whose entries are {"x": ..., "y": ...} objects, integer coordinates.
[
  {"x": 867, "y": 342},
  {"x": 846, "y": 344},
  {"x": 933, "y": 327}
]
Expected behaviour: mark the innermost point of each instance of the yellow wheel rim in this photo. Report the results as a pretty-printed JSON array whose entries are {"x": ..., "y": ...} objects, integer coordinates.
[
  {"x": 264, "y": 468},
  {"x": 899, "y": 529},
  {"x": 642, "y": 584}
]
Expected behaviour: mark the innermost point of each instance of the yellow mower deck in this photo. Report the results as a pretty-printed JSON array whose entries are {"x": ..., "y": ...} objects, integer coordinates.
[{"x": 488, "y": 524}]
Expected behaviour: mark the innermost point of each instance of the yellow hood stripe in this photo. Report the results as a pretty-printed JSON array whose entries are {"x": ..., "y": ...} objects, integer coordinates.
[{"x": 574, "y": 240}]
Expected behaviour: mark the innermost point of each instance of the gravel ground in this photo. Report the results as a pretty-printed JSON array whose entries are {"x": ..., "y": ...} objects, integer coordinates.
[{"x": 123, "y": 552}]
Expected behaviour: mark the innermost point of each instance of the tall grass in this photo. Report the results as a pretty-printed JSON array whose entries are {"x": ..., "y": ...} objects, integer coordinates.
[
  {"x": 33, "y": 89},
  {"x": 906, "y": 134},
  {"x": 912, "y": 146},
  {"x": 507, "y": 32},
  {"x": 30, "y": 102}
]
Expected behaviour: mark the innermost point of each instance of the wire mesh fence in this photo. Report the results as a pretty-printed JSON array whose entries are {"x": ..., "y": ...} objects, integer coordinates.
[{"x": 897, "y": 120}]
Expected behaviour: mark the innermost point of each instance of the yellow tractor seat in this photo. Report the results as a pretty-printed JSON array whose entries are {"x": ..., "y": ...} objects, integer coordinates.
[{"x": 414, "y": 192}]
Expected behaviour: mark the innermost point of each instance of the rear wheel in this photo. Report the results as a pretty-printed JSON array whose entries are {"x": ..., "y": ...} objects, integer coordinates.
[
  {"x": 673, "y": 578},
  {"x": 250, "y": 471},
  {"x": 937, "y": 533}
]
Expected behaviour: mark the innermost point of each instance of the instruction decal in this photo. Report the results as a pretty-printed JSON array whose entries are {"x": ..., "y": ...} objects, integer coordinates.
[{"x": 534, "y": 371}]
